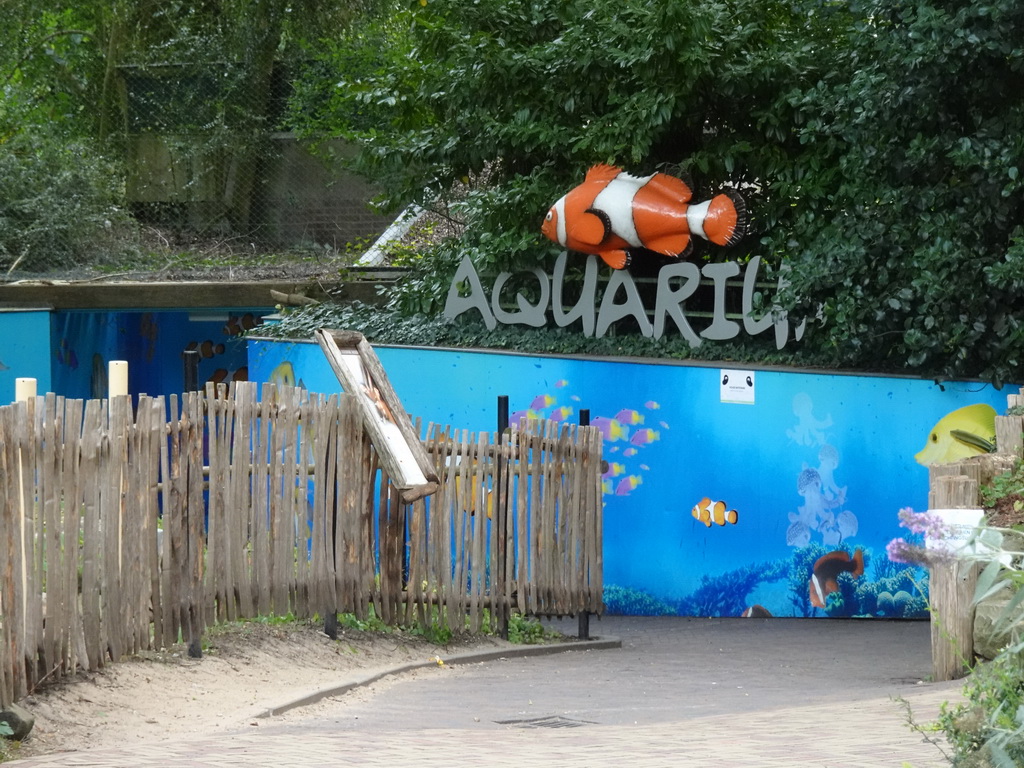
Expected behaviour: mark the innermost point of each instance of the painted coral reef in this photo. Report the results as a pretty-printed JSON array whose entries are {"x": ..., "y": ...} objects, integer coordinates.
[{"x": 885, "y": 590}]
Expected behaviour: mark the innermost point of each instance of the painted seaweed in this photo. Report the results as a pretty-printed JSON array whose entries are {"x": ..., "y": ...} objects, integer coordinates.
[
  {"x": 626, "y": 601},
  {"x": 727, "y": 594}
]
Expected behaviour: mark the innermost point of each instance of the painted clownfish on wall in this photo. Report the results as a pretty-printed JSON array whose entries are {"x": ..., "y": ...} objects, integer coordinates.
[
  {"x": 612, "y": 213},
  {"x": 825, "y": 574}
]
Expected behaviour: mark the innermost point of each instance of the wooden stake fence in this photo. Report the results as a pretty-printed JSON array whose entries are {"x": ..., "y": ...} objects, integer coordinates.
[{"x": 123, "y": 531}]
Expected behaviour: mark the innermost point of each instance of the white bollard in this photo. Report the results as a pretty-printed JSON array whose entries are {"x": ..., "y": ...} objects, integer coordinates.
[
  {"x": 117, "y": 378},
  {"x": 24, "y": 389}
]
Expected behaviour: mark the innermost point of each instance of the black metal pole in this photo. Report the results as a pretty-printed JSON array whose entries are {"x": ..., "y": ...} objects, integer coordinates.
[
  {"x": 584, "y": 616},
  {"x": 191, "y": 358},
  {"x": 501, "y": 518},
  {"x": 331, "y": 475},
  {"x": 502, "y": 413}
]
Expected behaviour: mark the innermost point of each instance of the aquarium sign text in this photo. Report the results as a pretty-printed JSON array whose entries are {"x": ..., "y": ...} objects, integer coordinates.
[{"x": 677, "y": 283}]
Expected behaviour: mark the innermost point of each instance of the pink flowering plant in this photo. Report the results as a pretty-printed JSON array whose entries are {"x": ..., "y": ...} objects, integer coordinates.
[
  {"x": 926, "y": 527},
  {"x": 991, "y": 719}
]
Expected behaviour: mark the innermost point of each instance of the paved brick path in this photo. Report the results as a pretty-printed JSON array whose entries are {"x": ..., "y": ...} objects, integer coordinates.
[{"x": 680, "y": 692}]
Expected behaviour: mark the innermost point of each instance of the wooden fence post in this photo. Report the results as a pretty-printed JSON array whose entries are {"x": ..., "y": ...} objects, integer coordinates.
[{"x": 951, "y": 588}]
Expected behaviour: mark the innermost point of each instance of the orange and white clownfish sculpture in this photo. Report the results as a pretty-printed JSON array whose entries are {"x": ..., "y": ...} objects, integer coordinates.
[{"x": 612, "y": 213}]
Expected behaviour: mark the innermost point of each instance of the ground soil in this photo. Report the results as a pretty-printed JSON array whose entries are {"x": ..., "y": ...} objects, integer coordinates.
[
  {"x": 245, "y": 669},
  {"x": 1008, "y": 512}
]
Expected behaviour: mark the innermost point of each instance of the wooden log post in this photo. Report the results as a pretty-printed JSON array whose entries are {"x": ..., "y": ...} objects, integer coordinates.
[
  {"x": 1010, "y": 434},
  {"x": 951, "y": 588},
  {"x": 1010, "y": 428}
]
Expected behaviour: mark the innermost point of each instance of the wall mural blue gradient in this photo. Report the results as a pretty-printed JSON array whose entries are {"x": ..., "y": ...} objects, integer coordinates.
[{"x": 811, "y": 469}]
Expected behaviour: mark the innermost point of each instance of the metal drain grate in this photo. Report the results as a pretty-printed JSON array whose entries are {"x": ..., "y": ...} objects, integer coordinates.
[{"x": 545, "y": 722}]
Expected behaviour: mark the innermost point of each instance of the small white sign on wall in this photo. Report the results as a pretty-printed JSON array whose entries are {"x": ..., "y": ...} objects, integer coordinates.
[{"x": 737, "y": 386}]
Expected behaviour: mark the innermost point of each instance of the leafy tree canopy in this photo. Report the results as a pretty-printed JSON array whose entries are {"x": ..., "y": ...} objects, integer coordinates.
[
  {"x": 879, "y": 144},
  {"x": 66, "y": 71}
]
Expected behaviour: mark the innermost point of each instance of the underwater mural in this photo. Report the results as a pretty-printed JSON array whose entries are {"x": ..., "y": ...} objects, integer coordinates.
[
  {"x": 84, "y": 341},
  {"x": 715, "y": 505}
]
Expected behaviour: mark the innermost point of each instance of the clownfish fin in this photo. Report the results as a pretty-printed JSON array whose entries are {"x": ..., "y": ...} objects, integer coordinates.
[
  {"x": 602, "y": 172},
  {"x": 858, "y": 563},
  {"x": 674, "y": 188},
  {"x": 685, "y": 253},
  {"x": 615, "y": 259},
  {"x": 591, "y": 228},
  {"x": 725, "y": 222},
  {"x": 677, "y": 245}
]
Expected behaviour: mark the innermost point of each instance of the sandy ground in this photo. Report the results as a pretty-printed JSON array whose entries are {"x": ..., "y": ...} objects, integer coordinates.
[{"x": 245, "y": 669}]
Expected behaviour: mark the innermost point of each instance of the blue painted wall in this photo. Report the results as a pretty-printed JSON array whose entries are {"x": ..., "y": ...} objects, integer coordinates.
[
  {"x": 84, "y": 342},
  {"x": 67, "y": 351},
  {"x": 815, "y": 464},
  {"x": 25, "y": 350}
]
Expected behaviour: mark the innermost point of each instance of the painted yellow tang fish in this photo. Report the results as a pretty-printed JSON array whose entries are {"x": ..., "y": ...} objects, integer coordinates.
[{"x": 960, "y": 434}]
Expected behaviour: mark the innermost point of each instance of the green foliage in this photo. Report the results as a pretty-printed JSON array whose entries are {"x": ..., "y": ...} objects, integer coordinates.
[
  {"x": 274, "y": 621},
  {"x": 7, "y": 748},
  {"x": 501, "y": 106},
  {"x": 885, "y": 173},
  {"x": 392, "y": 325},
  {"x": 62, "y": 200},
  {"x": 372, "y": 623},
  {"x": 85, "y": 84},
  {"x": 436, "y": 632},
  {"x": 907, "y": 239},
  {"x": 991, "y": 720},
  {"x": 524, "y": 630},
  {"x": 1009, "y": 483},
  {"x": 60, "y": 205}
]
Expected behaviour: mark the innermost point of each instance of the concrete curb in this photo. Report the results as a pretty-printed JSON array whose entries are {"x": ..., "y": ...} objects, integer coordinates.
[{"x": 470, "y": 657}]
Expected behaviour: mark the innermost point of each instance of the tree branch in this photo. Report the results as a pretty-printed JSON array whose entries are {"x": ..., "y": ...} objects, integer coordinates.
[{"x": 31, "y": 51}]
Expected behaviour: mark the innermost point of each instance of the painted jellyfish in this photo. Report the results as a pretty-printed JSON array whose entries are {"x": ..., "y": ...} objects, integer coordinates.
[
  {"x": 828, "y": 461},
  {"x": 817, "y": 514},
  {"x": 809, "y": 430}
]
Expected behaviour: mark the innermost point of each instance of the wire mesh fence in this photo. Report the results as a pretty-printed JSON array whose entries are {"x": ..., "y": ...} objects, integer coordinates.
[
  {"x": 209, "y": 156},
  {"x": 187, "y": 159}
]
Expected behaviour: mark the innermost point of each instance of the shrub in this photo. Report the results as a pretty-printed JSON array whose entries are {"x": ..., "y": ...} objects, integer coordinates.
[{"x": 60, "y": 205}]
